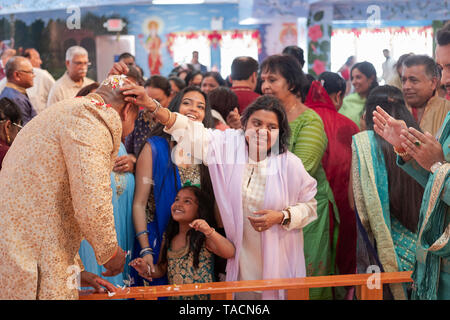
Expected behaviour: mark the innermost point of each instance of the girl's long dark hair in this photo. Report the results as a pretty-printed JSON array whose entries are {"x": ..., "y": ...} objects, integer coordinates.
[
  {"x": 10, "y": 111},
  {"x": 196, "y": 238},
  {"x": 405, "y": 194}
]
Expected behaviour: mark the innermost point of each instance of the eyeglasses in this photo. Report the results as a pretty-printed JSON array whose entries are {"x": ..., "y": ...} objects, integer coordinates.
[
  {"x": 14, "y": 124},
  {"x": 19, "y": 127},
  {"x": 79, "y": 63},
  {"x": 30, "y": 72}
]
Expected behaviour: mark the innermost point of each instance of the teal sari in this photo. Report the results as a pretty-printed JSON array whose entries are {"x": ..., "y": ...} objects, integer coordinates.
[
  {"x": 394, "y": 244},
  {"x": 431, "y": 274},
  {"x": 122, "y": 185}
]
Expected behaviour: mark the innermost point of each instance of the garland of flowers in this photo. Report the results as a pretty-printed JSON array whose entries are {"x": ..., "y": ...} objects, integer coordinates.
[
  {"x": 214, "y": 37},
  {"x": 393, "y": 30}
]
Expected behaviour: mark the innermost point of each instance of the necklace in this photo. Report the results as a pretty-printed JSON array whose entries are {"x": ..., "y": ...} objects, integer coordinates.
[{"x": 292, "y": 108}]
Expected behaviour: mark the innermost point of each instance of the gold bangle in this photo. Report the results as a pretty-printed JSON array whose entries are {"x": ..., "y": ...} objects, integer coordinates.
[
  {"x": 168, "y": 120},
  {"x": 158, "y": 106},
  {"x": 209, "y": 234},
  {"x": 402, "y": 153}
]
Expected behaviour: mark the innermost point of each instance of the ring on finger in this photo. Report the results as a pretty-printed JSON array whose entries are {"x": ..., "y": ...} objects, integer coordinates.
[{"x": 417, "y": 143}]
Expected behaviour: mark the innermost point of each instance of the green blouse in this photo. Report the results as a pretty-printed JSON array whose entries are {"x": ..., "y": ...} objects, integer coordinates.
[{"x": 353, "y": 107}]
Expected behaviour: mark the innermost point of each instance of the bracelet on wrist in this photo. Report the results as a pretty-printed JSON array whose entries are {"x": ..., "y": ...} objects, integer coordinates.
[
  {"x": 168, "y": 120},
  {"x": 141, "y": 233},
  {"x": 400, "y": 151},
  {"x": 146, "y": 249},
  {"x": 146, "y": 253},
  {"x": 158, "y": 106},
  {"x": 210, "y": 233}
]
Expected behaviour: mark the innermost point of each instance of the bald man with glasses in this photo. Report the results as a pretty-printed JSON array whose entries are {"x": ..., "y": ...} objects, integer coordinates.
[{"x": 20, "y": 76}]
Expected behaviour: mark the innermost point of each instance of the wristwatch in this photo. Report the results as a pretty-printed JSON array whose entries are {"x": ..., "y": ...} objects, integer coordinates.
[
  {"x": 287, "y": 217},
  {"x": 436, "y": 166}
]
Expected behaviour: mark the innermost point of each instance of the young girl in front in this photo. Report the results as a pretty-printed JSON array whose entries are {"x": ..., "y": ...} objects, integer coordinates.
[{"x": 188, "y": 244}]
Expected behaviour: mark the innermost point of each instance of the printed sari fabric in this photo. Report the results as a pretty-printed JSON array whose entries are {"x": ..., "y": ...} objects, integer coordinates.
[
  {"x": 336, "y": 162},
  {"x": 393, "y": 245},
  {"x": 431, "y": 274},
  {"x": 308, "y": 142},
  {"x": 181, "y": 270}
]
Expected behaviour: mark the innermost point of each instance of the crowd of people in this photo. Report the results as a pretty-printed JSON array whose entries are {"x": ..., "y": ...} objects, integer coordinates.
[{"x": 192, "y": 178}]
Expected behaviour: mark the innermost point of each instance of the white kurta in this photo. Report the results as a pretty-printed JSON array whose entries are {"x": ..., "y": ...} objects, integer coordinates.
[{"x": 65, "y": 88}]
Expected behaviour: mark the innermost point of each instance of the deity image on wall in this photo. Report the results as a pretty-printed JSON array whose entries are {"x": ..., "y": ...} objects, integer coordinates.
[
  {"x": 153, "y": 44},
  {"x": 280, "y": 35},
  {"x": 288, "y": 34}
]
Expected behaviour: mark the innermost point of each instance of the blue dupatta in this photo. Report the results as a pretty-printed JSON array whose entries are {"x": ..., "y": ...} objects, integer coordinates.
[{"x": 166, "y": 183}]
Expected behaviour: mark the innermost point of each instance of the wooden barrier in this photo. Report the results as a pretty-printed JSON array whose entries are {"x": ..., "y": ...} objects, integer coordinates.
[{"x": 370, "y": 287}]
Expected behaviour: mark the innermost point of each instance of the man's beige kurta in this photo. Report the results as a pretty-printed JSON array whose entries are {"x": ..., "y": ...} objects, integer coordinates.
[
  {"x": 434, "y": 115},
  {"x": 55, "y": 189},
  {"x": 65, "y": 88}
]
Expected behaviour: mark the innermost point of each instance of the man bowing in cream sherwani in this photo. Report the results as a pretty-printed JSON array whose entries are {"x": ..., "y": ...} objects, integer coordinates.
[{"x": 55, "y": 190}]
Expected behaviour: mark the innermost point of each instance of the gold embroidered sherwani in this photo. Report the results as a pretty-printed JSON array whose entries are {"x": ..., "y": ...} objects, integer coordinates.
[{"x": 55, "y": 189}]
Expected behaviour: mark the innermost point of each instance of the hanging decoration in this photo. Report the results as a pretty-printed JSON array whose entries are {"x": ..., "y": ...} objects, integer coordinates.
[
  {"x": 214, "y": 37},
  {"x": 391, "y": 30}
]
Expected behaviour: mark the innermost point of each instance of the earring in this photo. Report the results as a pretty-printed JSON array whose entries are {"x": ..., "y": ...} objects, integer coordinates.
[{"x": 8, "y": 139}]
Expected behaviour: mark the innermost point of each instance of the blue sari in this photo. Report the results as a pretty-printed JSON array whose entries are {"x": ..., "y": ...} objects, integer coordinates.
[
  {"x": 167, "y": 182},
  {"x": 382, "y": 239},
  {"x": 122, "y": 185}
]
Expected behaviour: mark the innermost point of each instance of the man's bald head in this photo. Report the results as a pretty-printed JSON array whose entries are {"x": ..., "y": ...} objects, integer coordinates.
[
  {"x": 20, "y": 71},
  {"x": 34, "y": 57},
  {"x": 110, "y": 91}
]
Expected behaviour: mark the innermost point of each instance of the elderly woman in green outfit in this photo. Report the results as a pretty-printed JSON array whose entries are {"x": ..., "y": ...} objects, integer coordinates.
[{"x": 282, "y": 77}]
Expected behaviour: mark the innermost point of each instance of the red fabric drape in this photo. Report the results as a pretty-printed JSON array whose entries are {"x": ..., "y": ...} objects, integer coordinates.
[{"x": 337, "y": 165}]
